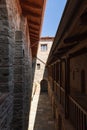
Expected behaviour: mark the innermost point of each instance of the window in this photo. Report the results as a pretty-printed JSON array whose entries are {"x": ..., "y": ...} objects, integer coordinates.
[
  {"x": 38, "y": 66},
  {"x": 43, "y": 47}
]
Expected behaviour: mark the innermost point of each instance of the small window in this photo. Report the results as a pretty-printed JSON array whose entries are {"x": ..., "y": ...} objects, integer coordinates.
[
  {"x": 43, "y": 47},
  {"x": 38, "y": 66}
]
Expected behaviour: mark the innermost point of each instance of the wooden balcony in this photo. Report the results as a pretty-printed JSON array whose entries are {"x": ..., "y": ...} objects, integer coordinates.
[{"x": 78, "y": 111}]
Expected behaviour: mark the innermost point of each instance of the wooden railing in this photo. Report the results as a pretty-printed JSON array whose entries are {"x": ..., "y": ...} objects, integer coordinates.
[
  {"x": 58, "y": 91},
  {"x": 77, "y": 115}
]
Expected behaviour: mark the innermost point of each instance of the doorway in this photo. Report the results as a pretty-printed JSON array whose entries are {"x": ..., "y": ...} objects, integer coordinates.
[{"x": 44, "y": 85}]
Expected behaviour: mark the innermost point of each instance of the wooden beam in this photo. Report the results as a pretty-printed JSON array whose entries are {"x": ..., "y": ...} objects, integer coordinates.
[
  {"x": 33, "y": 22},
  {"x": 29, "y": 12},
  {"x": 76, "y": 38},
  {"x": 33, "y": 32},
  {"x": 30, "y": 4},
  {"x": 64, "y": 49},
  {"x": 67, "y": 47},
  {"x": 35, "y": 27},
  {"x": 34, "y": 44},
  {"x": 83, "y": 18},
  {"x": 33, "y": 36},
  {"x": 79, "y": 52},
  {"x": 33, "y": 41}
]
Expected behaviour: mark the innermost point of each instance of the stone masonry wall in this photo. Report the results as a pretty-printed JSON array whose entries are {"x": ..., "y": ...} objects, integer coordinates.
[
  {"x": 78, "y": 64},
  {"x": 15, "y": 65},
  {"x": 40, "y": 75},
  {"x": 27, "y": 61},
  {"x": 42, "y": 59},
  {"x": 5, "y": 111},
  {"x": 6, "y": 69}
]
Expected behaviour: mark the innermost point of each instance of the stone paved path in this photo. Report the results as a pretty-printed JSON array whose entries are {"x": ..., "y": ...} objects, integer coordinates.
[
  {"x": 41, "y": 113},
  {"x": 44, "y": 119}
]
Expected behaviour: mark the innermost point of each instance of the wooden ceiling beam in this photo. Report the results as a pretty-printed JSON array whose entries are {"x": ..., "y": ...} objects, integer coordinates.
[
  {"x": 83, "y": 18},
  {"x": 64, "y": 49},
  {"x": 29, "y": 12},
  {"x": 67, "y": 47},
  {"x": 33, "y": 32},
  {"x": 76, "y": 38},
  {"x": 34, "y": 27},
  {"x": 79, "y": 52},
  {"x": 34, "y": 40},
  {"x": 34, "y": 22},
  {"x": 30, "y": 4},
  {"x": 34, "y": 36}
]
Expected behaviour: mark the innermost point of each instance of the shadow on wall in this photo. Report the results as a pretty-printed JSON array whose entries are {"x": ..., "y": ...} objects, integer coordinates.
[{"x": 33, "y": 68}]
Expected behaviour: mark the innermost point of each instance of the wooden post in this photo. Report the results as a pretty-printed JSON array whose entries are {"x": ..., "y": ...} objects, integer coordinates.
[{"x": 67, "y": 86}]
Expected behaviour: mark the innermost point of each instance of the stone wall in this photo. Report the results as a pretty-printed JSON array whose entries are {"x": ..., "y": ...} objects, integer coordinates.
[
  {"x": 42, "y": 59},
  {"x": 15, "y": 65},
  {"x": 78, "y": 66},
  {"x": 40, "y": 75},
  {"x": 6, "y": 69},
  {"x": 5, "y": 111}
]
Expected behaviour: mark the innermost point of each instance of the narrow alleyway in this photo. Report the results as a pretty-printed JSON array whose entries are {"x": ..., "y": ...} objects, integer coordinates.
[{"x": 41, "y": 114}]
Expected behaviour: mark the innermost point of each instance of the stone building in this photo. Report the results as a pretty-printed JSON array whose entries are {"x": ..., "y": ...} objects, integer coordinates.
[
  {"x": 67, "y": 66},
  {"x": 44, "y": 47},
  {"x": 20, "y": 27}
]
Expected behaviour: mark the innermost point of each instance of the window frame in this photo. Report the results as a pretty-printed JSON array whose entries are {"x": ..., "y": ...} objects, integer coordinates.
[
  {"x": 38, "y": 66},
  {"x": 43, "y": 47}
]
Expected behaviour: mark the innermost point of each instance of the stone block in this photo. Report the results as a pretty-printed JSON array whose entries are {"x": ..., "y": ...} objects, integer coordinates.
[
  {"x": 4, "y": 61},
  {"x": 4, "y": 87},
  {"x": 3, "y": 13},
  {"x": 18, "y": 88},
  {"x": 18, "y": 61},
  {"x": 18, "y": 69},
  {"x": 4, "y": 74},
  {"x": 18, "y": 36},
  {"x": 5, "y": 112}
]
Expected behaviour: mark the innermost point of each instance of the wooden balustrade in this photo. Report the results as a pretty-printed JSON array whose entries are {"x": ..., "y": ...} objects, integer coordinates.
[{"x": 77, "y": 115}]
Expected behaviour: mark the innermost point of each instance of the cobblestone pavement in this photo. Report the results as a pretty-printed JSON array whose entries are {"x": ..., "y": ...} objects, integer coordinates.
[{"x": 41, "y": 114}]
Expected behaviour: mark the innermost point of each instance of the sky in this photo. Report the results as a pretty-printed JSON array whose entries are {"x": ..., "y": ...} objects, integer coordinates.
[{"x": 53, "y": 13}]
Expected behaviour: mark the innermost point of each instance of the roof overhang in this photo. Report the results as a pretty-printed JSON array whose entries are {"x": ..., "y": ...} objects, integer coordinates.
[
  {"x": 34, "y": 11},
  {"x": 72, "y": 30}
]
